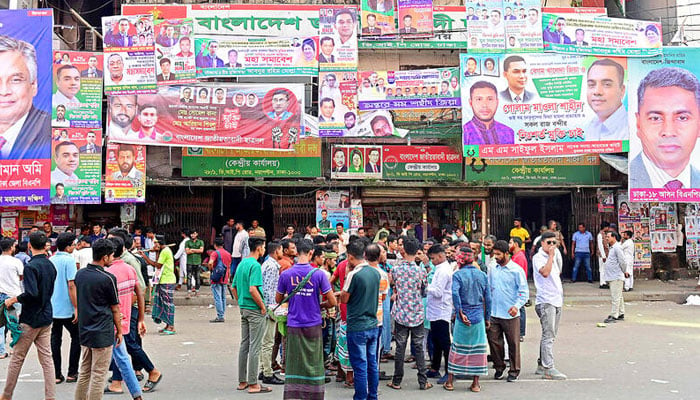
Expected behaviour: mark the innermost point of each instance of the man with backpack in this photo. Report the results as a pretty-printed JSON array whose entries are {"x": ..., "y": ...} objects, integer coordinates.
[{"x": 219, "y": 265}]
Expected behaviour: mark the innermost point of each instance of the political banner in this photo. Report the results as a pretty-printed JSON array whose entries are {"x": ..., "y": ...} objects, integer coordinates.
[
  {"x": 76, "y": 168},
  {"x": 692, "y": 235},
  {"x": 600, "y": 35},
  {"x": 77, "y": 90},
  {"x": 356, "y": 162},
  {"x": 449, "y": 27},
  {"x": 276, "y": 20},
  {"x": 129, "y": 54},
  {"x": 486, "y": 28},
  {"x": 523, "y": 21},
  {"x": 303, "y": 162},
  {"x": 25, "y": 154},
  {"x": 356, "y": 217},
  {"x": 525, "y": 105},
  {"x": 377, "y": 18},
  {"x": 125, "y": 177},
  {"x": 434, "y": 163},
  {"x": 224, "y": 115},
  {"x": 662, "y": 223},
  {"x": 174, "y": 52},
  {"x": 337, "y": 103},
  {"x": 332, "y": 207},
  {"x": 424, "y": 88},
  {"x": 256, "y": 56},
  {"x": 664, "y": 157},
  {"x": 337, "y": 30},
  {"x": 634, "y": 217},
  {"x": 415, "y": 19},
  {"x": 606, "y": 200},
  {"x": 378, "y": 123},
  {"x": 533, "y": 171}
]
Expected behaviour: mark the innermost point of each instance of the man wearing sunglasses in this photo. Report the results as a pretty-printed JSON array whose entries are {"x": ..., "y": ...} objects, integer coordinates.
[{"x": 546, "y": 271}]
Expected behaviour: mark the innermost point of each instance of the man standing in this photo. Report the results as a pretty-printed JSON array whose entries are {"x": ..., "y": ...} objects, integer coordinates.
[
  {"x": 270, "y": 279},
  {"x": 90, "y": 147},
  {"x": 324, "y": 222},
  {"x": 36, "y": 317},
  {"x": 628, "y": 250},
  {"x": 439, "y": 311},
  {"x": 247, "y": 284},
  {"x": 483, "y": 128},
  {"x": 520, "y": 232},
  {"x": 581, "y": 251},
  {"x": 228, "y": 232},
  {"x": 181, "y": 258},
  {"x": 410, "y": 281},
  {"x": 615, "y": 274},
  {"x": 509, "y": 293},
  {"x": 240, "y": 247},
  {"x": 602, "y": 252},
  {"x": 361, "y": 294},
  {"x": 547, "y": 265},
  {"x": 218, "y": 288},
  {"x": 518, "y": 256},
  {"x": 92, "y": 70},
  {"x": 343, "y": 237},
  {"x": 64, "y": 303},
  {"x": 194, "y": 249},
  {"x": 606, "y": 90},
  {"x": 11, "y": 274},
  {"x": 98, "y": 316}
]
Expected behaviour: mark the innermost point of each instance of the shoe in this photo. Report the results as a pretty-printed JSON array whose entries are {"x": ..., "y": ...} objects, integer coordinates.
[
  {"x": 522, "y": 339},
  {"x": 610, "y": 320},
  {"x": 272, "y": 380},
  {"x": 498, "y": 375},
  {"x": 553, "y": 374},
  {"x": 604, "y": 286},
  {"x": 442, "y": 380},
  {"x": 217, "y": 320},
  {"x": 630, "y": 289},
  {"x": 621, "y": 317},
  {"x": 540, "y": 370},
  {"x": 384, "y": 377},
  {"x": 512, "y": 378},
  {"x": 433, "y": 374}
]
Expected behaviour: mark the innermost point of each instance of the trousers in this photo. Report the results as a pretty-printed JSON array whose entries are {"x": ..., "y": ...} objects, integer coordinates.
[
  {"x": 41, "y": 338},
  {"x": 511, "y": 329},
  {"x": 94, "y": 365}
]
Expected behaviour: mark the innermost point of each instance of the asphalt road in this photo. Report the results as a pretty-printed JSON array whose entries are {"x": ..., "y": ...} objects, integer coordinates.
[{"x": 649, "y": 356}]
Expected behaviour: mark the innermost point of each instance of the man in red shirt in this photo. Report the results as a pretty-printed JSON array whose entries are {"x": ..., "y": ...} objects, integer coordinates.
[
  {"x": 341, "y": 349},
  {"x": 518, "y": 257},
  {"x": 218, "y": 289}
]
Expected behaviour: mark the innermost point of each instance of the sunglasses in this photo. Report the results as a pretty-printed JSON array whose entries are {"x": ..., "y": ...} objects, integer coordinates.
[{"x": 550, "y": 242}]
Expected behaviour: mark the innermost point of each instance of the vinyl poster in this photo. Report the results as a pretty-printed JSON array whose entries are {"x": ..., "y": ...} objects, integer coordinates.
[
  {"x": 332, "y": 207},
  {"x": 338, "y": 38},
  {"x": 415, "y": 19},
  {"x": 174, "y": 51},
  {"x": 377, "y": 17},
  {"x": 125, "y": 177},
  {"x": 634, "y": 217},
  {"x": 129, "y": 54},
  {"x": 337, "y": 103}
]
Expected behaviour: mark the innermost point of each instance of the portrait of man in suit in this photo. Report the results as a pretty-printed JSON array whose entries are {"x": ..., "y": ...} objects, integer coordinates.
[
  {"x": 209, "y": 60},
  {"x": 668, "y": 127},
  {"x": 121, "y": 38},
  {"x": 407, "y": 25},
  {"x": 558, "y": 36},
  {"x": 371, "y": 28},
  {"x": 280, "y": 102},
  {"x": 515, "y": 72},
  {"x": 327, "y": 47},
  {"x": 580, "y": 34},
  {"x": 233, "y": 59},
  {"x": 339, "y": 161},
  {"x": 68, "y": 85},
  {"x": 24, "y": 129},
  {"x": 91, "y": 147},
  {"x": 373, "y": 164},
  {"x": 168, "y": 39},
  {"x": 470, "y": 15},
  {"x": 186, "y": 95},
  {"x": 165, "y": 74},
  {"x": 92, "y": 70},
  {"x": 327, "y": 108}
]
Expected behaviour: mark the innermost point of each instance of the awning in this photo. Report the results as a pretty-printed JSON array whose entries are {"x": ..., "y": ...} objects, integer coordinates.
[{"x": 616, "y": 161}]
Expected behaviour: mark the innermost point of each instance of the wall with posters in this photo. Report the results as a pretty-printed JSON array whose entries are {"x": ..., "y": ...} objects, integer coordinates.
[
  {"x": 635, "y": 217},
  {"x": 76, "y": 167},
  {"x": 692, "y": 235},
  {"x": 77, "y": 90}
]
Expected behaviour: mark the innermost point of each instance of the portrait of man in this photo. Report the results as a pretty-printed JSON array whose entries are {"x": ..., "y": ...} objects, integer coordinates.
[
  {"x": 668, "y": 127},
  {"x": 371, "y": 28},
  {"x": 148, "y": 118},
  {"x": 470, "y": 14},
  {"x": 381, "y": 126},
  {"x": 533, "y": 21},
  {"x": 280, "y": 102},
  {"x": 186, "y": 96},
  {"x": 60, "y": 196},
  {"x": 408, "y": 25},
  {"x": 167, "y": 38},
  {"x": 24, "y": 128},
  {"x": 382, "y": 6},
  {"x": 115, "y": 63},
  {"x": 219, "y": 96},
  {"x": 495, "y": 25},
  {"x": 511, "y": 42},
  {"x": 202, "y": 96},
  {"x": 120, "y": 38},
  {"x": 329, "y": 88},
  {"x": 324, "y": 223},
  {"x": 67, "y": 159},
  {"x": 122, "y": 111},
  {"x": 471, "y": 67},
  {"x": 605, "y": 92},
  {"x": 327, "y": 47},
  {"x": 60, "y": 121},
  {"x": 233, "y": 59},
  {"x": 126, "y": 158},
  {"x": 251, "y": 100},
  {"x": 327, "y": 108},
  {"x": 373, "y": 164},
  {"x": 91, "y": 147},
  {"x": 558, "y": 36},
  {"x": 185, "y": 47},
  {"x": 92, "y": 70},
  {"x": 165, "y": 74},
  {"x": 68, "y": 85},
  {"x": 209, "y": 60},
  {"x": 580, "y": 34},
  {"x": 509, "y": 15},
  {"x": 350, "y": 120},
  {"x": 515, "y": 72},
  {"x": 483, "y": 128},
  {"x": 239, "y": 99},
  {"x": 345, "y": 21},
  {"x": 339, "y": 161}
]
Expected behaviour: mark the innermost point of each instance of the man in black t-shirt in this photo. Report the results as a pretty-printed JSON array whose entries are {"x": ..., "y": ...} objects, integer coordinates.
[{"x": 98, "y": 316}]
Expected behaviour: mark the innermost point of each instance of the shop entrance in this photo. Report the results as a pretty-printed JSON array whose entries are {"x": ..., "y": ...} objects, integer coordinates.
[
  {"x": 537, "y": 208},
  {"x": 243, "y": 204}
]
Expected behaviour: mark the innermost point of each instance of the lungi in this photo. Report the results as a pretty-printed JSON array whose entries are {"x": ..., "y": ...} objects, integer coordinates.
[
  {"x": 304, "y": 371},
  {"x": 164, "y": 304},
  {"x": 468, "y": 350}
]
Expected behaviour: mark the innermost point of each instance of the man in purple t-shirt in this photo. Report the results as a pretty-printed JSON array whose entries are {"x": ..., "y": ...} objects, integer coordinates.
[{"x": 305, "y": 369}]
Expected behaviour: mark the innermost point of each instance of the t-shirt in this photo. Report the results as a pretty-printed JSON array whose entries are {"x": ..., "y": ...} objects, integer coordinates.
[
  {"x": 126, "y": 281},
  {"x": 97, "y": 293},
  {"x": 195, "y": 258},
  {"x": 521, "y": 233},
  {"x": 225, "y": 257},
  {"x": 340, "y": 273},
  {"x": 549, "y": 289},
  {"x": 83, "y": 256},
  {"x": 583, "y": 241},
  {"x": 248, "y": 273},
  {"x": 383, "y": 291},
  {"x": 363, "y": 285},
  {"x": 238, "y": 245},
  {"x": 39, "y": 277},
  {"x": 519, "y": 258},
  {"x": 65, "y": 272},
  {"x": 11, "y": 268},
  {"x": 167, "y": 271},
  {"x": 305, "y": 305}
]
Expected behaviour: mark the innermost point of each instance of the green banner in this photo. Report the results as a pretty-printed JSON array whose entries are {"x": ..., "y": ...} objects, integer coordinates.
[{"x": 581, "y": 170}]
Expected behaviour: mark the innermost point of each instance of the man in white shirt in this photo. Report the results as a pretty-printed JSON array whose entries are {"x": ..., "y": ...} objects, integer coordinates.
[
  {"x": 606, "y": 90},
  {"x": 343, "y": 236},
  {"x": 240, "y": 248},
  {"x": 330, "y": 87},
  {"x": 67, "y": 158},
  {"x": 181, "y": 257},
  {"x": 602, "y": 252},
  {"x": 83, "y": 252},
  {"x": 68, "y": 85},
  {"x": 439, "y": 311},
  {"x": 11, "y": 272},
  {"x": 628, "y": 251}
]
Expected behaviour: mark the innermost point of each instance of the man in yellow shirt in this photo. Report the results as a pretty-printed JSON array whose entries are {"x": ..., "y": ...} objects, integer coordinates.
[{"x": 519, "y": 231}]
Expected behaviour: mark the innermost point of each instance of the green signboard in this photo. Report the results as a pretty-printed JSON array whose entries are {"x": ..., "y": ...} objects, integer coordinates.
[{"x": 539, "y": 171}]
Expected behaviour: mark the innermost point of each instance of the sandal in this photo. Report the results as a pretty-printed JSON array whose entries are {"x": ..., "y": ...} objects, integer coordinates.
[
  {"x": 245, "y": 386},
  {"x": 166, "y": 332},
  {"x": 448, "y": 387},
  {"x": 72, "y": 379},
  {"x": 4, "y": 356},
  {"x": 263, "y": 389},
  {"x": 475, "y": 389},
  {"x": 139, "y": 376},
  {"x": 60, "y": 380},
  {"x": 427, "y": 386},
  {"x": 395, "y": 387},
  {"x": 110, "y": 391},
  {"x": 151, "y": 385}
]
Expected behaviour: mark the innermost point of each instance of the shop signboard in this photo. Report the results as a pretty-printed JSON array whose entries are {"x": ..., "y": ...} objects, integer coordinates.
[{"x": 535, "y": 171}]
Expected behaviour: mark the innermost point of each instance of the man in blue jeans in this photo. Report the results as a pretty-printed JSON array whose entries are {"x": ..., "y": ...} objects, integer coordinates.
[
  {"x": 581, "y": 250},
  {"x": 218, "y": 289},
  {"x": 361, "y": 294}
]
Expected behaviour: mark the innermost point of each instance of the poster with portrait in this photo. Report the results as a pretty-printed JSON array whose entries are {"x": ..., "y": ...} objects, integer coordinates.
[
  {"x": 129, "y": 54},
  {"x": 634, "y": 217},
  {"x": 223, "y": 115},
  {"x": 692, "y": 235},
  {"x": 25, "y": 156},
  {"x": 378, "y": 123},
  {"x": 356, "y": 162},
  {"x": 174, "y": 51},
  {"x": 255, "y": 56},
  {"x": 423, "y": 88},
  {"x": 77, "y": 89},
  {"x": 125, "y": 175},
  {"x": 262, "y": 20},
  {"x": 664, "y": 158},
  {"x": 543, "y": 104},
  {"x": 415, "y": 19},
  {"x": 76, "y": 167},
  {"x": 356, "y": 216},
  {"x": 332, "y": 207},
  {"x": 337, "y": 103},
  {"x": 377, "y": 18},
  {"x": 606, "y": 200},
  {"x": 663, "y": 221},
  {"x": 523, "y": 21},
  {"x": 486, "y": 29},
  {"x": 337, "y": 29}
]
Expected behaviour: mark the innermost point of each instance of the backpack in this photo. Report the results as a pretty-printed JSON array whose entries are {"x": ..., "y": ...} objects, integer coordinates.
[{"x": 218, "y": 275}]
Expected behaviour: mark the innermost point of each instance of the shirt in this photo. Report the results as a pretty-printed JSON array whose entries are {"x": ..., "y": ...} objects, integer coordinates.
[
  {"x": 240, "y": 244},
  {"x": 11, "y": 269},
  {"x": 228, "y": 233},
  {"x": 471, "y": 293},
  {"x": 10, "y": 135},
  {"x": 583, "y": 242},
  {"x": 134, "y": 263},
  {"x": 363, "y": 285},
  {"x": 341, "y": 273},
  {"x": 97, "y": 293},
  {"x": 520, "y": 259},
  {"x": 248, "y": 273},
  {"x": 508, "y": 289},
  {"x": 521, "y": 233},
  {"x": 628, "y": 251},
  {"x": 615, "y": 127},
  {"x": 181, "y": 255},
  {"x": 383, "y": 292},
  {"x": 659, "y": 177},
  {"x": 549, "y": 289},
  {"x": 83, "y": 257},
  {"x": 24, "y": 257},
  {"x": 39, "y": 277},
  {"x": 126, "y": 282},
  {"x": 194, "y": 258},
  {"x": 409, "y": 280},
  {"x": 439, "y": 290},
  {"x": 225, "y": 258},
  {"x": 167, "y": 271},
  {"x": 270, "y": 278},
  {"x": 615, "y": 265},
  {"x": 305, "y": 305},
  {"x": 476, "y": 132},
  {"x": 65, "y": 272}
]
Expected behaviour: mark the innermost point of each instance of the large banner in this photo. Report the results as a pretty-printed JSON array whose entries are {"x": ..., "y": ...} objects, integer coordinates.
[
  {"x": 25, "y": 114},
  {"x": 424, "y": 88},
  {"x": 303, "y": 162},
  {"x": 76, "y": 168},
  {"x": 523, "y": 21},
  {"x": 255, "y": 19},
  {"x": 525, "y": 105},
  {"x": 664, "y": 156},
  {"x": 77, "y": 90},
  {"x": 125, "y": 178},
  {"x": 415, "y": 18},
  {"x": 337, "y": 103},
  {"x": 332, "y": 207},
  {"x": 174, "y": 52},
  {"x": 256, "y": 56},
  {"x": 129, "y": 54},
  {"x": 535, "y": 171},
  {"x": 600, "y": 35},
  {"x": 253, "y": 116},
  {"x": 338, "y": 39},
  {"x": 486, "y": 26},
  {"x": 634, "y": 217},
  {"x": 377, "y": 17}
]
